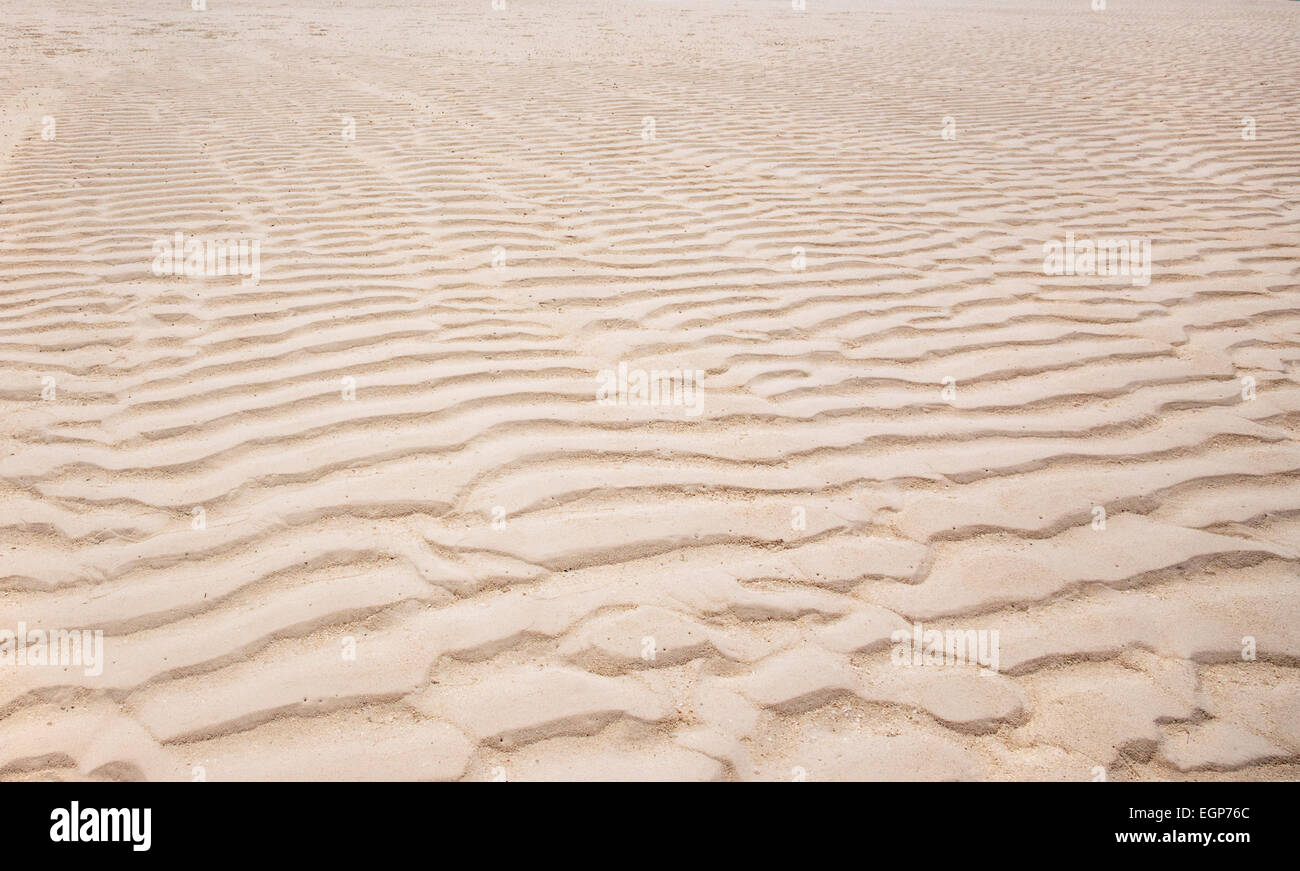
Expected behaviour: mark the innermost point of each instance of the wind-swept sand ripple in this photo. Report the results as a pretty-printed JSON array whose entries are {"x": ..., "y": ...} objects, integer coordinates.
[{"x": 362, "y": 515}]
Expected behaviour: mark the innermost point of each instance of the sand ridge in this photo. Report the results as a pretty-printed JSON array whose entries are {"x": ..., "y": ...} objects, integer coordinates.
[{"x": 363, "y": 515}]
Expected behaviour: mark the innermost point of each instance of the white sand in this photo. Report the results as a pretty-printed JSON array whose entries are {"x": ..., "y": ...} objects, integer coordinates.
[{"x": 702, "y": 592}]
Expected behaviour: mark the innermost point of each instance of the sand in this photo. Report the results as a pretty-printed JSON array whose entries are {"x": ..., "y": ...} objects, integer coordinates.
[{"x": 392, "y": 504}]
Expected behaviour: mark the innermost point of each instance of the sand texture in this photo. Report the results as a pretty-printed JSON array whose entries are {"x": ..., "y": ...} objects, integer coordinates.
[{"x": 370, "y": 514}]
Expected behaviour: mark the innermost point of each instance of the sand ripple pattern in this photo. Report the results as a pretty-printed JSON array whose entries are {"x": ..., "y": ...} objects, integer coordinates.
[{"x": 537, "y": 585}]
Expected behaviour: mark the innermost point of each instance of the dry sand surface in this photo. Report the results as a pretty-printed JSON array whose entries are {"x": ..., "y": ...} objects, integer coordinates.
[{"x": 366, "y": 511}]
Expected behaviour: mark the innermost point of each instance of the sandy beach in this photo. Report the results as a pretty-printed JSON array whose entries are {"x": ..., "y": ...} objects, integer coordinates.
[{"x": 638, "y": 390}]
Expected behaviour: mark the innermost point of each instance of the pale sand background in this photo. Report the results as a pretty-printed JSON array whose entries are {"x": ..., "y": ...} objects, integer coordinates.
[{"x": 517, "y": 652}]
